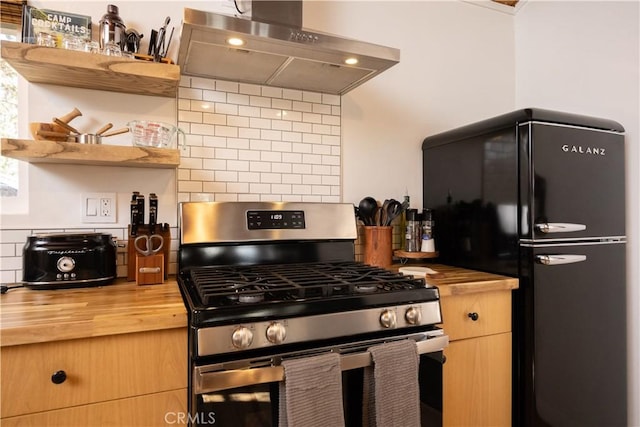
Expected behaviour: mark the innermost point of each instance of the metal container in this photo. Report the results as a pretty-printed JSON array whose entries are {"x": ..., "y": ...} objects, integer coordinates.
[
  {"x": 111, "y": 28},
  {"x": 68, "y": 260}
]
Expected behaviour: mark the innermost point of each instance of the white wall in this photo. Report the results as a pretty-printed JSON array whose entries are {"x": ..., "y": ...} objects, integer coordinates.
[
  {"x": 586, "y": 60},
  {"x": 456, "y": 66}
]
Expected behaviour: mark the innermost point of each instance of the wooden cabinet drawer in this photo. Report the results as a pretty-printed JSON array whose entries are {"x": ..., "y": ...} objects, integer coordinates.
[
  {"x": 158, "y": 409},
  {"x": 491, "y": 311},
  {"x": 97, "y": 369}
]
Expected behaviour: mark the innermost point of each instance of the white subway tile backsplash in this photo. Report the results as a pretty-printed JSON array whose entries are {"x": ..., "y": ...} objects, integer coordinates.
[
  {"x": 259, "y": 188},
  {"x": 190, "y": 186},
  {"x": 226, "y": 108},
  {"x": 257, "y": 123},
  {"x": 292, "y": 179},
  {"x": 215, "y": 187},
  {"x": 249, "y": 89},
  {"x": 248, "y": 155},
  {"x": 312, "y": 97},
  {"x": 312, "y": 118},
  {"x": 305, "y": 107},
  {"x": 204, "y": 152},
  {"x": 225, "y": 86},
  {"x": 271, "y": 92},
  {"x": 214, "y": 164},
  {"x": 226, "y": 153},
  {"x": 273, "y": 135},
  {"x": 202, "y": 129},
  {"x": 249, "y": 133},
  {"x": 292, "y": 94},
  {"x": 281, "y": 125},
  {"x": 201, "y": 83},
  {"x": 270, "y": 156},
  {"x": 238, "y": 121},
  {"x": 250, "y": 142},
  {"x": 249, "y": 177},
  {"x": 214, "y": 141},
  {"x": 238, "y": 165},
  {"x": 212, "y": 97},
  {"x": 189, "y": 93},
  {"x": 302, "y": 127},
  {"x": 7, "y": 249},
  {"x": 214, "y": 119},
  {"x": 280, "y": 104},
  {"x": 227, "y": 176},
  {"x": 237, "y": 98}
]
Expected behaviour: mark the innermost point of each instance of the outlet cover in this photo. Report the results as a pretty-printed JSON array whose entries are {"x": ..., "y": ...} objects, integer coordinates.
[{"x": 98, "y": 207}]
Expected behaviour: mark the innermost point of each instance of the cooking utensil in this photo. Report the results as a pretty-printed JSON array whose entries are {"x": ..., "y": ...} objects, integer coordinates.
[
  {"x": 148, "y": 247},
  {"x": 65, "y": 126},
  {"x": 90, "y": 138},
  {"x": 104, "y": 128},
  {"x": 382, "y": 221},
  {"x": 70, "y": 116},
  {"x": 53, "y": 136},
  {"x": 368, "y": 208},
  {"x": 394, "y": 209}
]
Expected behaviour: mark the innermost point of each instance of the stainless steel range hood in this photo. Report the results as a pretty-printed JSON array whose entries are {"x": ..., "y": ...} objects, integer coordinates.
[{"x": 280, "y": 54}]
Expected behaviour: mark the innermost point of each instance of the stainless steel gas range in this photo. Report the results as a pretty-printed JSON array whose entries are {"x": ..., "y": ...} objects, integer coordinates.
[{"x": 267, "y": 282}]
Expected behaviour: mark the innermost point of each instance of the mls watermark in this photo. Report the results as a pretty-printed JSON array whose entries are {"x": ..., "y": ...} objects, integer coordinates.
[{"x": 184, "y": 418}]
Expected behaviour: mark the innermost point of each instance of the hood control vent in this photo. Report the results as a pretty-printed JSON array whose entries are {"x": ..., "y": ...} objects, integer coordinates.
[{"x": 277, "y": 54}]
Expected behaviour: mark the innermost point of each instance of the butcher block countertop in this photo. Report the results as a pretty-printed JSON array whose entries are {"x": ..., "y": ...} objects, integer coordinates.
[
  {"x": 460, "y": 281},
  {"x": 34, "y": 316}
]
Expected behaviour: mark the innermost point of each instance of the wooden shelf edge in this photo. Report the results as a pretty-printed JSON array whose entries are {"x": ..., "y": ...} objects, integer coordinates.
[
  {"x": 38, "y": 64},
  {"x": 33, "y": 151}
]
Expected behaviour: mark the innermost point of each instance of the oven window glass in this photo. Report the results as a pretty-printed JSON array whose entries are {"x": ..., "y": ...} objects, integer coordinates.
[{"x": 258, "y": 405}]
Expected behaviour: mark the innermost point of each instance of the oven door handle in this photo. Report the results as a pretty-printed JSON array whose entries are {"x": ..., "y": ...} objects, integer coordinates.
[{"x": 207, "y": 382}]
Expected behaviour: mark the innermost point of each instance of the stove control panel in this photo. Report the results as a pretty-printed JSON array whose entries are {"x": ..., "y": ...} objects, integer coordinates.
[
  {"x": 275, "y": 220},
  {"x": 261, "y": 334}
]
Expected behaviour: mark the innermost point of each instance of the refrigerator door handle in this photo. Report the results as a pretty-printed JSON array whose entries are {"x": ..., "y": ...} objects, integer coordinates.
[
  {"x": 560, "y": 227},
  {"x": 559, "y": 259}
]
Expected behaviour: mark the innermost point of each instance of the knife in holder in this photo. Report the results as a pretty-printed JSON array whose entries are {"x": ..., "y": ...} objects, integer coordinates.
[{"x": 132, "y": 254}]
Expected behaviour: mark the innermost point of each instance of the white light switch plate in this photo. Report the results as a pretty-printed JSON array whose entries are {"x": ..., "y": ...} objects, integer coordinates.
[{"x": 98, "y": 207}]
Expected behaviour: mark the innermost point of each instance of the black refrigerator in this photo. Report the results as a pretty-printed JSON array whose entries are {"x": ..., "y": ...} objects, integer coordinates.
[{"x": 540, "y": 195}]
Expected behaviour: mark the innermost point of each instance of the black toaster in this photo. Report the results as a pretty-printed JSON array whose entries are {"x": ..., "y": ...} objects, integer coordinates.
[{"x": 68, "y": 260}]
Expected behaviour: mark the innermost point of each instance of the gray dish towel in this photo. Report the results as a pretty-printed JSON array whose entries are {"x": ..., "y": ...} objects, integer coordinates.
[
  {"x": 311, "y": 393},
  {"x": 391, "y": 394}
]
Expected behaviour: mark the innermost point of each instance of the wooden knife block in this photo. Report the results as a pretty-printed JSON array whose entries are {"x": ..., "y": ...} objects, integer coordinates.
[{"x": 131, "y": 249}]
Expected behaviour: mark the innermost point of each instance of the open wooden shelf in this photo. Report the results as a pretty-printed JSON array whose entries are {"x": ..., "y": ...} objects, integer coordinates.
[
  {"x": 63, "y": 67},
  {"x": 33, "y": 151}
]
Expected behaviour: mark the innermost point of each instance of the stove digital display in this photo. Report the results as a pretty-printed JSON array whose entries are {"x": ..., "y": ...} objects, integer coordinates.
[{"x": 275, "y": 220}]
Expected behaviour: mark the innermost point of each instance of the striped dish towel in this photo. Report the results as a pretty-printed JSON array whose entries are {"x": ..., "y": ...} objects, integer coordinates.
[
  {"x": 391, "y": 394},
  {"x": 311, "y": 393}
]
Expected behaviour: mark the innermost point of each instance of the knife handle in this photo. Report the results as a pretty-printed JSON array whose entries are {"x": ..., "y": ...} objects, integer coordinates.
[
  {"x": 141, "y": 212},
  {"x": 153, "y": 212},
  {"x": 134, "y": 217}
]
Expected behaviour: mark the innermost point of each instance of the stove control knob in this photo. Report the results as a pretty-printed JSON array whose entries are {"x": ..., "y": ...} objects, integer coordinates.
[
  {"x": 242, "y": 337},
  {"x": 388, "y": 319},
  {"x": 413, "y": 316},
  {"x": 276, "y": 333}
]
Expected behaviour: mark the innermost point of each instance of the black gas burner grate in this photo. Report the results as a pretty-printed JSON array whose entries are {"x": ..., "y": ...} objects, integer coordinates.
[{"x": 230, "y": 285}]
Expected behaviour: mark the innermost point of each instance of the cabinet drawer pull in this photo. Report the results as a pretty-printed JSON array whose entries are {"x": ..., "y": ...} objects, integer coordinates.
[
  {"x": 59, "y": 377},
  {"x": 473, "y": 316}
]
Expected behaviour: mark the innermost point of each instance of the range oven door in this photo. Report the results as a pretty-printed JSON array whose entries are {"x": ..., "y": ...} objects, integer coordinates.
[{"x": 224, "y": 395}]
